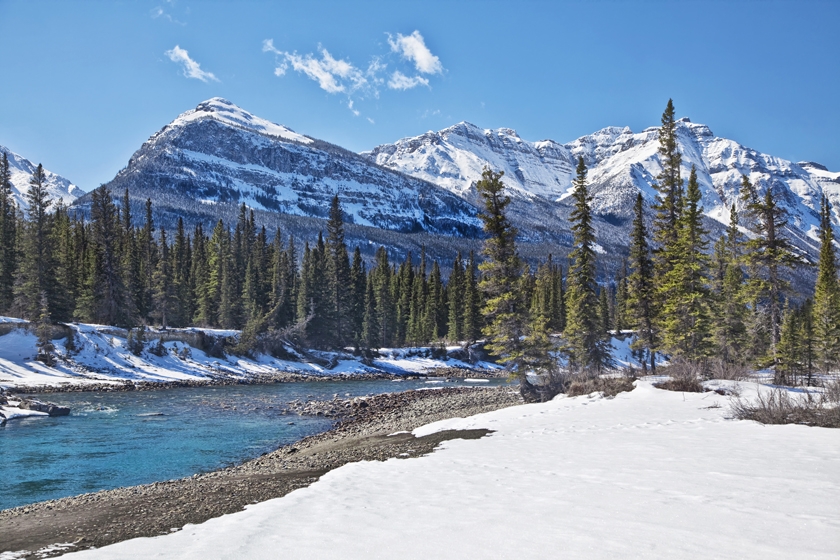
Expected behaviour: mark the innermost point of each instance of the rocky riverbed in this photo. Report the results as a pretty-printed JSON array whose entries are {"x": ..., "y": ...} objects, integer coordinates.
[{"x": 362, "y": 433}]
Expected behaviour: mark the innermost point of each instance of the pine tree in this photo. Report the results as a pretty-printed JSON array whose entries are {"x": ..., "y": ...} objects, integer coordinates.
[
  {"x": 386, "y": 315},
  {"x": 730, "y": 304},
  {"x": 768, "y": 252},
  {"x": 105, "y": 299},
  {"x": 371, "y": 331},
  {"x": 149, "y": 261},
  {"x": 455, "y": 286},
  {"x": 505, "y": 309},
  {"x": 358, "y": 294},
  {"x": 640, "y": 291},
  {"x": 685, "y": 316},
  {"x": 669, "y": 182},
  {"x": 338, "y": 269},
  {"x": 826, "y": 310},
  {"x": 620, "y": 309},
  {"x": 36, "y": 280},
  {"x": 164, "y": 298},
  {"x": 585, "y": 344},
  {"x": 472, "y": 302},
  {"x": 8, "y": 236}
]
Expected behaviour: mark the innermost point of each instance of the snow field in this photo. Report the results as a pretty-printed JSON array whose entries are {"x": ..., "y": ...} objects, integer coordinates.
[{"x": 649, "y": 474}]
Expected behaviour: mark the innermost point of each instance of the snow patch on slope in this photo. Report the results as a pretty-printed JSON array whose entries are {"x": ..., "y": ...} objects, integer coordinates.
[
  {"x": 58, "y": 188},
  {"x": 224, "y": 111}
]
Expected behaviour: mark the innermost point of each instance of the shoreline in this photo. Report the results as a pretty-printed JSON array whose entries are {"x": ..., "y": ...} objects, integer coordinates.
[
  {"x": 367, "y": 431},
  {"x": 125, "y": 385}
]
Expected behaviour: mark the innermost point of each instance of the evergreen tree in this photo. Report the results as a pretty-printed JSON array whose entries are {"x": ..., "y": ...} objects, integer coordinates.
[
  {"x": 358, "y": 294},
  {"x": 371, "y": 332},
  {"x": 826, "y": 311},
  {"x": 386, "y": 315},
  {"x": 456, "y": 286},
  {"x": 669, "y": 182},
  {"x": 105, "y": 299},
  {"x": 149, "y": 261},
  {"x": 8, "y": 236},
  {"x": 620, "y": 309},
  {"x": 164, "y": 297},
  {"x": 731, "y": 311},
  {"x": 505, "y": 309},
  {"x": 604, "y": 312},
  {"x": 585, "y": 344},
  {"x": 685, "y": 316},
  {"x": 339, "y": 286},
  {"x": 768, "y": 252},
  {"x": 640, "y": 291},
  {"x": 472, "y": 302},
  {"x": 35, "y": 286}
]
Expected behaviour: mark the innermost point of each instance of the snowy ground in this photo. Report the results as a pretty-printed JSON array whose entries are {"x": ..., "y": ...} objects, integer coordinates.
[
  {"x": 102, "y": 356},
  {"x": 649, "y": 474}
]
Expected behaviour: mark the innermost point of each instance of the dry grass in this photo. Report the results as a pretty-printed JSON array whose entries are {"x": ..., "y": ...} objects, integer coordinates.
[
  {"x": 610, "y": 386},
  {"x": 780, "y": 407}
]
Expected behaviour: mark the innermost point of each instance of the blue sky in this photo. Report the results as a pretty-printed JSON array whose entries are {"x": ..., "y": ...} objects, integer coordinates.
[{"x": 84, "y": 83}]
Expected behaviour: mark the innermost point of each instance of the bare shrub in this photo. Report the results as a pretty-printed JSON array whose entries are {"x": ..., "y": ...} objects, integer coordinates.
[
  {"x": 832, "y": 392},
  {"x": 610, "y": 386},
  {"x": 721, "y": 369},
  {"x": 685, "y": 376},
  {"x": 779, "y": 407}
]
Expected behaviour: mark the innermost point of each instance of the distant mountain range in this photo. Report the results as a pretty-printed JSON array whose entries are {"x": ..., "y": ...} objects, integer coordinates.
[
  {"x": 21, "y": 169},
  {"x": 216, "y": 156}
]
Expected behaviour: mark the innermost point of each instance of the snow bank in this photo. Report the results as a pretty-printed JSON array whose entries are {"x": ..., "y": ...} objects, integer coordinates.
[
  {"x": 101, "y": 355},
  {"x": 650, "y": 473}
]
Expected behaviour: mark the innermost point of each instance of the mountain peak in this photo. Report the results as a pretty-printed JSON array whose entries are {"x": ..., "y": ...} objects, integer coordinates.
[{"x": 226, "y": 112}]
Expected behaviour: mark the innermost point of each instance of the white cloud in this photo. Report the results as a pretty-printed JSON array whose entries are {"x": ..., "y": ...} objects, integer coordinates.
[
  {"x": 158, "y": 12},
  {"x": 402, "y": 82},
  {"x": 192, "y": 69},
  {"x": 413, "y": 48},
  {"x": 337, "y": 75}
]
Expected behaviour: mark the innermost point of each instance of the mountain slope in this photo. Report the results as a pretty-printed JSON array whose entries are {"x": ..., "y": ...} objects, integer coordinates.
[
  {"x": 219, "y": 153},
  {"x": 621, "y": 164},
  {"x": 21, "y": 169}
]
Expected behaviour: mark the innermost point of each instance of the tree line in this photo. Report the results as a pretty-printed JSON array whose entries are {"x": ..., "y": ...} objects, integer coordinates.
[
  {"x": 726, "y": 304},
  {"x": 724, "y": 307}
]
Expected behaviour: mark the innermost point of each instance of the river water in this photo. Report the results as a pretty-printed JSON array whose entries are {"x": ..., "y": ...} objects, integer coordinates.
[{"x": 114, "y": 439}]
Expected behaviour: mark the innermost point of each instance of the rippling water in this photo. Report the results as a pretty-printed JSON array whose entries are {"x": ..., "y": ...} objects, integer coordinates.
[{"x": 127, "y": 438}]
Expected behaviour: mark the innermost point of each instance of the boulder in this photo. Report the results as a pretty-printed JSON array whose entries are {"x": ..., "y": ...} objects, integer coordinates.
[{"x": 49, "y": 408}]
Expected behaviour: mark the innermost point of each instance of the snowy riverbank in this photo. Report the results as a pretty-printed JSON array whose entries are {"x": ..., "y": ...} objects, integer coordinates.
[
  {"x": 99, "y": 356},
  {"x": 650, "y": 473}
]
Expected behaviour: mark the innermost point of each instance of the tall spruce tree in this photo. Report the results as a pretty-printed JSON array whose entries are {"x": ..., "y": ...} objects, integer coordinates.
[
  {"x": 8, "y": 236},
  {"x": 826, "y": 309},
  {"x": 685, "y": 316},
  {"x": 505, "y": 310},
  {"x": 640, "y": 291},
  {"x": 35, "y": 286},
  {"x": 768, "y": 253},
  {"x": 340, "y": 324},
  {"x": 585, "y": 344},
  {"x": 729, "y": 301},
  {"x": 455, "y": 325}
]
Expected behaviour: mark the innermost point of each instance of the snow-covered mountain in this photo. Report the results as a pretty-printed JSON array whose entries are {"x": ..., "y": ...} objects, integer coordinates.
[
  {"x": 219, "y": 152},
  {"x": 621, "y": 163},
  {"x": 21, "y": 169}
]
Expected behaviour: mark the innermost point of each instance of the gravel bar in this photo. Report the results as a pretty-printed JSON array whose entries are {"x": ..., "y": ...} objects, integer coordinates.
[{"x": 102, "y": 518}]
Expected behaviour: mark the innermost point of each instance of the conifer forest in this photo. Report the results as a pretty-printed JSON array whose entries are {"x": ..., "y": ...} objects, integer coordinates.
[{"x": 709, "y": 302}]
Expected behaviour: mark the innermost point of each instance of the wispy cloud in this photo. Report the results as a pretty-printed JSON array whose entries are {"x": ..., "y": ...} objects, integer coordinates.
[
  {"x": 191, "y": 68},
  {"x": 413, "y": 47},
  {"x": 340, "y": 76},
  {"x": 333, "y": 75},
  {"x": 402, "y": 82},
  {"x": 159, "y": 12}
]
